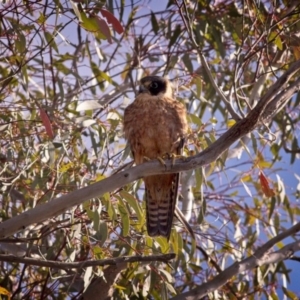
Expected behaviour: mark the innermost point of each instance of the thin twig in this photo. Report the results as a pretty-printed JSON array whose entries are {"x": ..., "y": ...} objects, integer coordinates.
[{"x": 188, "y": 27}]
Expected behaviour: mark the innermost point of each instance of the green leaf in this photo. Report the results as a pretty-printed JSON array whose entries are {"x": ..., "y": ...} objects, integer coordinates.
[
  {"x": 174, "y": 36},
  {"x": 41, "y": 19},
  {"x": 95, "y": 143},
  {"x": 50, "y": 40},
  {"x": 254, "y": 142},
  {"x": 274, "y": 296},
  {"x": 198, "y": 82},
  {"x": 276, "y": 222},
  {"x": 99, "y": 75},
  {"x": 154, "y": 23},
  {"x": 167, "y": 275},
  {"x": 274, "y": 37},
  {"x": 20, "y": 43},
  {"x": 195, "y": 119},
  {"x": 163, "y": 243},
  {"x": 89, "y": 212},
  {"x": 289, "y": 294},
  {"x": 98, "y": 252},
  {"x": 200, "y": 178},
  {"x": 278, "y": 42},
  {"x": 25, "y": 75},
  {"x": 272, "y": 206},
  {"x": 170, "y": 288},
  {"x": 289, "y": 209},
  {"x": 102, "y": 233},
  {"x": 134, "y": 204},
  {"x": 294, "y": 147},
  {"x": 109, "y": 207},
  {"x": 124, "y": 217},
  {"x": 296, "y": 103},
  {"x": 96, "y": 220},
  {"x": 174, "y": 241},
  {"x": 202, "y": 211},
  {"x": 187, "y": 61},
  {"x": 217, "y": 37}
]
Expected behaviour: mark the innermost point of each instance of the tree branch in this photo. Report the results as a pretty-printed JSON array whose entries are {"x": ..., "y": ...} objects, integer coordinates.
[
  {"x": 87, "y": 263},
  {"x": 274, "y": 100},
  {"x": 260, "y": 257}
]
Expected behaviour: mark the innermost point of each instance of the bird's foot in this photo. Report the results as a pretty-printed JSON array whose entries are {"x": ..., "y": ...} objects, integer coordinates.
[
  {"x": 173, "y": 156},
  {"x": 160, "y": 159}
]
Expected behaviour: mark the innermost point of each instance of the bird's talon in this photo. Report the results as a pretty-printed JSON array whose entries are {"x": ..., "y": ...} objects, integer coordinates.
[
  {"x": 173, "y": 156},
  {"x": 173, "y": 160},
  {"x": 162, "y": 161}
]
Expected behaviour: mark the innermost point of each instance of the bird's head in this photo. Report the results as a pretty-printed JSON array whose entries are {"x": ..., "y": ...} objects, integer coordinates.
[{"x": 156, "y": 85}]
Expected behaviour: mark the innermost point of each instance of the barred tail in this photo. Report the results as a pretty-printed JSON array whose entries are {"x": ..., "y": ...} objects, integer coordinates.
[{"x": 161, "y": 197}]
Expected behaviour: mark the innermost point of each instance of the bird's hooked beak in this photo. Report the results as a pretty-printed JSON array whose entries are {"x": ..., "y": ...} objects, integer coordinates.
[{"x": 143, "y": 89}]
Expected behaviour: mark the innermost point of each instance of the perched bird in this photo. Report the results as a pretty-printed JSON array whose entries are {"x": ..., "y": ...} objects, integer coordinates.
[{"x": 155, "y": 126}]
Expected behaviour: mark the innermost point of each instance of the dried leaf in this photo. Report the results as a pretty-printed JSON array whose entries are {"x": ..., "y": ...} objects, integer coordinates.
[
  {"x": 264, "y": 183},
  {"x": 111, "y": 19},
  {"x": 5, "y": 292},
  {"x": 104, "y": 29},
  {"x": 46, "y": 123}
]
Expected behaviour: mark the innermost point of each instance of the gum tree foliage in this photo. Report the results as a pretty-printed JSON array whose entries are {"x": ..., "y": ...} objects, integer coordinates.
[{"x": 67, "y": 71}]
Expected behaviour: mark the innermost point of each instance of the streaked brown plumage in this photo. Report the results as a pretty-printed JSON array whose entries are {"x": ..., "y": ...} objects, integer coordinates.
[{"x": 155, "y": 125}]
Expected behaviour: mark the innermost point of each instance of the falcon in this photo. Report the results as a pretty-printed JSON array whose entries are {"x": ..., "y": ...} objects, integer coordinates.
[{"x": 155, "y": 126}]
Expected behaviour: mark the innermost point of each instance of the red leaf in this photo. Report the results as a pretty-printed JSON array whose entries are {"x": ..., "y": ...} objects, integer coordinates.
[
  {"x": 104, "y": 29},
  {"x": 46, "y": 122},
  {"x": 265, "y": 185},
  {"x": 111, "y": 19}
]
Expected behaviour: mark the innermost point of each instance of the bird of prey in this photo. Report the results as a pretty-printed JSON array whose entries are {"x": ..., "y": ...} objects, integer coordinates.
[{"x": 155, "y": 126}]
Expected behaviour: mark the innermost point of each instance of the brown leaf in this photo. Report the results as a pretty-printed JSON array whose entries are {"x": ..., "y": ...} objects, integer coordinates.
[
  {"x": 104, "y": 29},
  {"x": 296, "y": 51}
]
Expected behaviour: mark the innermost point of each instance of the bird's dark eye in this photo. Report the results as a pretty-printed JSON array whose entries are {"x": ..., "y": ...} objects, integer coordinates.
[{"x": 154, "y": 85}]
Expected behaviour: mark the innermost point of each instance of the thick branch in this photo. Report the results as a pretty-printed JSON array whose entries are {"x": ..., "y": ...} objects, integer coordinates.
[
  {"x": 88, "y": 263},
  {"x": 269, "y": 105},
  {"x": 284, "y": 253},
  {"x": 259, "y": 258}
]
